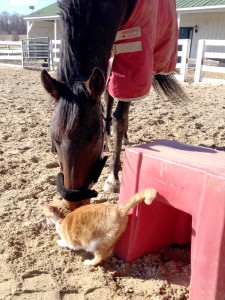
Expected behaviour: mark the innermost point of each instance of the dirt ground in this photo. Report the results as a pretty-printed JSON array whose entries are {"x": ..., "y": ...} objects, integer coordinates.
[{"x": 33, "y": 266}]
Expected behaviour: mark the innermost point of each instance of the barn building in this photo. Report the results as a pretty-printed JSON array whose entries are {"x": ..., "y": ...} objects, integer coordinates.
[
  {"x": 197, "y": 19},
  {"x": 44, "y": 23},
  {"x": 201, "y": 19}
]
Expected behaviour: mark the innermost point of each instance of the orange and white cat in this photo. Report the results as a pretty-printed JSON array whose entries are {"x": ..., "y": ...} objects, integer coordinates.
[{"x": 95, "y": 228}]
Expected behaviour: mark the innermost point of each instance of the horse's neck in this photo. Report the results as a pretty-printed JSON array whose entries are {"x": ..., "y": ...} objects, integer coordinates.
[{"x": 88, "y": 42}]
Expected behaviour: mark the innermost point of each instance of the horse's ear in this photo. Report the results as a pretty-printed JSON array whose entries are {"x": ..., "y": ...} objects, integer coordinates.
[
  {"x": 96, "y": 84},
  {"x": 51, "y": 85}
]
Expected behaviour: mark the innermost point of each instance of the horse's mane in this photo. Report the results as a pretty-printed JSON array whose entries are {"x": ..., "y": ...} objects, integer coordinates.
[
  {"x": 71, "y": 11},
  {"x": 73, "y": 69},
  {"x": 88, "y": 30}
]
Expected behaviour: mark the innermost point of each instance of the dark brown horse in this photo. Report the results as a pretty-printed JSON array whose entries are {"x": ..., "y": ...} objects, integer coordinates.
[{"x": 89, "y": 29}]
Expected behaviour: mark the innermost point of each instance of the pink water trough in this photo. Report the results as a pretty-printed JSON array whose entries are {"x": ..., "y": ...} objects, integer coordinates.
[{"x": 190, "y": 207}]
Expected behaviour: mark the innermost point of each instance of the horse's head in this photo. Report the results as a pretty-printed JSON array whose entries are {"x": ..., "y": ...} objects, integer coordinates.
[{"x": 76, "y": 127}]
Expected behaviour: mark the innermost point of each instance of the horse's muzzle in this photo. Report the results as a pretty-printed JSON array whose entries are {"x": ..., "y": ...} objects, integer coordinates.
[{"x": 84, "y": 192}]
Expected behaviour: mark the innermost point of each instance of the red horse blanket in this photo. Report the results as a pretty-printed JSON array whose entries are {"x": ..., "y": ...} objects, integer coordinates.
[{"x": 145, "y": 45}]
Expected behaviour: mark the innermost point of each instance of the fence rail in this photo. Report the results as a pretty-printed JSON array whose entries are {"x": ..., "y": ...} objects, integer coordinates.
[
  {"x": 11, "y": 51},
  {"x": 202, "y": 54}
]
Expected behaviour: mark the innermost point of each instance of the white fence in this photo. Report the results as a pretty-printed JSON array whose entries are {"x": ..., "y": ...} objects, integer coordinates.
[
  {"x": 184, "y": 56},
  {"x": 202, "y": 55},
  {"x": 11, "y": 51}
]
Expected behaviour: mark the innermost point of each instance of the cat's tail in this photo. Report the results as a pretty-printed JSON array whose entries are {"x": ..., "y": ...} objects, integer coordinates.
[{"x": 148, "y": 195}]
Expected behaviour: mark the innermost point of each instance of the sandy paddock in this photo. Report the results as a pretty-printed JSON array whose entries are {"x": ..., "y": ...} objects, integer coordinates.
[{"x": 33, "y": 266}]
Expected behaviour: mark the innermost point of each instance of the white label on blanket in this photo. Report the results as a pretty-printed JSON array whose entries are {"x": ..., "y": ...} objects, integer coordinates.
[
  {"x": 127, "y": 47},
  {"x": 126, "y": 34}
]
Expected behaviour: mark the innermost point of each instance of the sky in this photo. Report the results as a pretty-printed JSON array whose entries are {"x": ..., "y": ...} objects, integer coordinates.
[{"x": 22, "y": 6}]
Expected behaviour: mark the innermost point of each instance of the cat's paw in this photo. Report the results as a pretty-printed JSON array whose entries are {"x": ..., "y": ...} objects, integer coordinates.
[
  {"x": 150, "y": 195},
  {"x": 93, "y": 262},
  {"x": 88, "y": 262},
  {"x": 61, "y": 243}
]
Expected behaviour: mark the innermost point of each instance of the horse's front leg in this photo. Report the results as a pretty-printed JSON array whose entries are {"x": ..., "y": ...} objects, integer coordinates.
[
  {"x": 120, "y": 126},
  {"x": 107, "y": 117}
]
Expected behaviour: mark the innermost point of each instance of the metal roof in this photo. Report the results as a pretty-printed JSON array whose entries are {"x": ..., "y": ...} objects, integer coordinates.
[
  {"x": 198, "y": 3},
  {"x": 50, "y": 10}
]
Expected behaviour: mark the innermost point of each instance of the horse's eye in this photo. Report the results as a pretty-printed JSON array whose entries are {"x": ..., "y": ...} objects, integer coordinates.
[
  {"x": 53, "y": 147},
  {"x": 96, "y": 139},
  {"x": 56, "y": 141}
]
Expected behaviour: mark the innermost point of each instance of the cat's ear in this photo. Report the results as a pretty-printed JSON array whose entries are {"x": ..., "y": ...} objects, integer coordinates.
[
  {"x": 56, "y": 201},
  {"x": 47, "y": 211}
]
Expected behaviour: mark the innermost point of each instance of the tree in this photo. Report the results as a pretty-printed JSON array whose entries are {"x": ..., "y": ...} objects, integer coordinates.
[
  {"x": 12, "y": 24},
  {"x": 4, "y": 21}
]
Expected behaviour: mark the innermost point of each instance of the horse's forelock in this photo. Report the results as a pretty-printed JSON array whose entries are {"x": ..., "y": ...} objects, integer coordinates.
[{"x": 68, "y": 111}]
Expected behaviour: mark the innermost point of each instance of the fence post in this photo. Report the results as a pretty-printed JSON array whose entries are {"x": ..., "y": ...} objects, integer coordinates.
[
  {"x": 184, "y": 59},
  {"x": 52, "y": 67},
  {"x": 21, "y": 54},
  {"x": 199, "y": 61}
]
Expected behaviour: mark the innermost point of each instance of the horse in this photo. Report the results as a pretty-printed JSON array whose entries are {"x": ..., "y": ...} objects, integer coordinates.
[{"x": 89, "y": 29}]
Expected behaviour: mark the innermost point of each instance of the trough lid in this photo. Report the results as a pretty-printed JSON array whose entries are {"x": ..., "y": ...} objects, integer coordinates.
[{"x": 202, "y": 158}]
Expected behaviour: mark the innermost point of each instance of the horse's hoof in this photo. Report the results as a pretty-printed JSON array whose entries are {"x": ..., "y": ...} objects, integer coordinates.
[
  {"x": 125, "y": 141},
  {"x": 106, "y": 148},
  {"x": 108, "y": 187},
  {"x": 112, "y": 186},
  {"x": 106, "y": 143}
]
